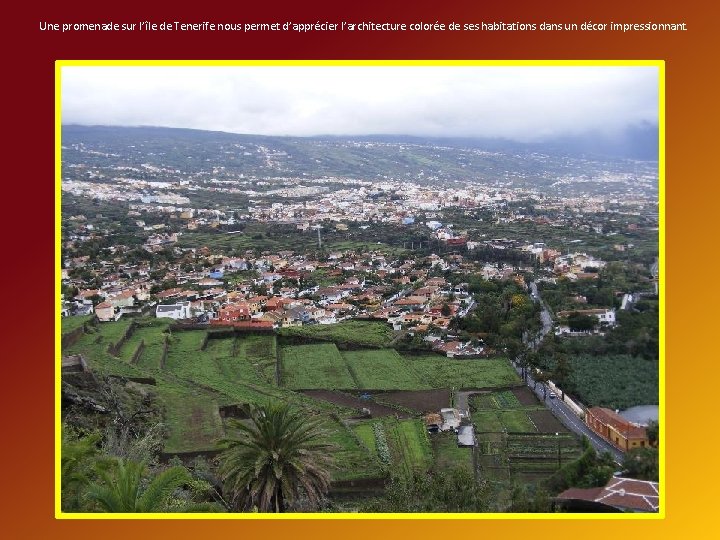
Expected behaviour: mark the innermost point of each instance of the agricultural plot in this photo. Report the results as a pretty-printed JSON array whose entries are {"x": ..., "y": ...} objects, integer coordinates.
[
  {"x": 192, "y": 419},
  {"x": 503, "y": 410},
  {"x": 503, "y": 421},
  {"x": 402, "y": 446},
  {"x": 233, "y": 368},
  {"x": 536, "y": 457},
  {"x": 448, "y": 455},
  {"x": 315, "y": 367},
  {"x": 441, "y": 372},
  {"x": 366, "y": 435},
  {"x": 505, "y": 399},
  {"x": 358, "y": 333},
  {"x": 382, "y": 369},
  {"x": 518, "y": 437},
  {"x": 615, "y": 381},
  {"x": 153, "y": 340},
  {"x": 94, "y": 348},
  {"x": 68, "y": 324},
  {"x": 211, "y": 370},
  {"x": 353, "y": 460},
  {"x": 261, "y": 352}
]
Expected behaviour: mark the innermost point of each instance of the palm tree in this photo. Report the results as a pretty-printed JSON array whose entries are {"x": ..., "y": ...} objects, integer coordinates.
[
  {"x": 121, "y": 490},
  {"x": 278, "y": 457},
  {"x": 78, "y": 465}
]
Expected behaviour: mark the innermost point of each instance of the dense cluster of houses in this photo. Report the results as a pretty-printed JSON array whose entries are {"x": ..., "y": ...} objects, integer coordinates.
[{"x": 284, "y": 289}]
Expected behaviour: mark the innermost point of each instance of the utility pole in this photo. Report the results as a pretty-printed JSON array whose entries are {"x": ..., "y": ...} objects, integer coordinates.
[{"x": 557, "y": 438}]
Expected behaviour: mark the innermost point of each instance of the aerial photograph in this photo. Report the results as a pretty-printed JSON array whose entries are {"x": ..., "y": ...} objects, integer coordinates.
[{"x": 342, "y": 289}]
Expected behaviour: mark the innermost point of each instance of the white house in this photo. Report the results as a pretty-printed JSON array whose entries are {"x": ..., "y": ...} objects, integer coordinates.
[{"x": 177, "y": 311}]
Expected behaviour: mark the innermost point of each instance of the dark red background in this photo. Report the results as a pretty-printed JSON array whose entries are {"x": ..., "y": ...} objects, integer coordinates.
[{"x": 28, "y": 272}]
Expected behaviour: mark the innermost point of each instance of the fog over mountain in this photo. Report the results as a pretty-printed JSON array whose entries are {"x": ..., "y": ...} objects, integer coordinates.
[{"x": 606, "y": 109}]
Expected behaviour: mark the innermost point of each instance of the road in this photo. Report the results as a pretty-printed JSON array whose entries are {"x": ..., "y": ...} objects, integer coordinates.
[
  {"x": 561, "y": 411},
  {"x": 568, "y": 418}
]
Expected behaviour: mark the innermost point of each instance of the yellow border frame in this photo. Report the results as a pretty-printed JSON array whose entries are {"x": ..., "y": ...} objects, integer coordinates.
[{"x": 659, "y": 64}]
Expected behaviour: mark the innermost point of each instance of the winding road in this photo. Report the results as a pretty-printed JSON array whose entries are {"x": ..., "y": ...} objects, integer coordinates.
[{"x": 561, "y": 411}]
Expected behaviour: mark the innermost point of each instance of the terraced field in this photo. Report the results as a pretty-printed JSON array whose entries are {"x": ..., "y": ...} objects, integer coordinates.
[
  {"x": 440, "y": 372},
  {"x": 383, "y": 369},
  {"x": 313, "y": 367}
]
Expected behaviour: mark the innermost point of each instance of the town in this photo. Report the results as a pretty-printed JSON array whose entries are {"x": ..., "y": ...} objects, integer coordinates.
[{"x": 405, "y": 306}]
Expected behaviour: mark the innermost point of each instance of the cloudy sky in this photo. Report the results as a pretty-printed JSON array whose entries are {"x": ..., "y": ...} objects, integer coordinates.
[{"x": 515, "y": 102}]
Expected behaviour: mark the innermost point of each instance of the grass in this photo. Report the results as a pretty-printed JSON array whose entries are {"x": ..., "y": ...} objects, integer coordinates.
[
  {"x": 383, "y": 369},
  {"x": 151, "y": 334},
  {"x": 615, "y": 381},
  {"x": 409, "y": 445},
  {"x": 365, "y": 433},
  {"x": 93, "y": 346},
  {"x": 315, "y": 367},
  {"x": 358, "y": 333},
  {"x": 414, "y": 445},
  {"x": 441, "y": 372},
  {"x": 261, "y": 353},
  {"x": 68, "y": 324},
  {"x": 353, "y": 460},
  {"x": 192, "y": 418},
  {"x": 448, "y": 455}
]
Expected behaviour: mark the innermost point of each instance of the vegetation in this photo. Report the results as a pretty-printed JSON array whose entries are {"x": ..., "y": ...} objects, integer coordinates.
[
  {"x": 504, "y": 310},
  {"x": 278, "y": 457},
  {"x": 589, "y": 470},
  {"x": 315, "y": 366},
  {"x": 447, "y": 455},
  {"x": 383, "y": 369},
  {"x": 356, "y": 333},
  {"x": 455, "y": 490},
  {"x": 613, "y": 381},
  {"x": 121, "y": 490},
  {"x": 441, "y": 372},
  {"x": 642, "y": 463}
]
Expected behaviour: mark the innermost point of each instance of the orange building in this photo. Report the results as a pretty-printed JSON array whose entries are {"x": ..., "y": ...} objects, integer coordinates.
[{"x": 615, "y": 429}]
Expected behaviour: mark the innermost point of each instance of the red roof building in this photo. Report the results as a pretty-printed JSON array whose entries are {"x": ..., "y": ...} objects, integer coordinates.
[
  {"x": 619, "y": 493},
  {"x": 615, "y": 429}
]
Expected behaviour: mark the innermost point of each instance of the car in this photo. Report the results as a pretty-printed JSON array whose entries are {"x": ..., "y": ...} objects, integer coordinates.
[{"x": 553, "y": 395}]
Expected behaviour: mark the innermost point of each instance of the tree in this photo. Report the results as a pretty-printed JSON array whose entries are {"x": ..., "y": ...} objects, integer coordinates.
[
  {"x": 445, "y": 310},
  {"x": 121, "y": 489},
  {"x": 455, "y": 490},
  {"x": 79, "y": 455},
  {"x": 561, "y": 373},
  {"x": 653, "y": 433},
  {"x": 579, "y": 322},
  {"x": 279, "y": 457},
  {"x": 642, "y": 463}
]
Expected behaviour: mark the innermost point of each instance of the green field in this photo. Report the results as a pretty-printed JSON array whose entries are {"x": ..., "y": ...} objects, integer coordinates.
[
  {"x": 353, "y": 460},
  {"x": 407, "y": 441},
  {"x": 448, "y": 455},
  {"x": 68, "y": 324},
  {"x": 153, "y": 336},
  {"x": 94, "y": 346},
  {"x": 494, "y": 400},
  {"x": 509, "y": 445},
  {"x": 315, "y": 366},
  {"x": 358, "y": 333},
  {"x": 383, "y": 369},
  {"x": 440, "y": 372},
  {"x": 366, "y": 435},
  {"x": 503, "y": 421},
  {"x": 202, "y": 373},
  {"x": 192, "y": 419},
  {"x": 615, "y": 381}
]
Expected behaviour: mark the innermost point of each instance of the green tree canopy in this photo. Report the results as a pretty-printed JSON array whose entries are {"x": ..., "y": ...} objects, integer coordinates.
[{"x": 277, "y": 458}]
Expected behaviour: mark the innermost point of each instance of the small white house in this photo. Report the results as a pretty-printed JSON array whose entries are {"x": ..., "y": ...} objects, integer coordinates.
[{"x": 177, "y": 311}]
